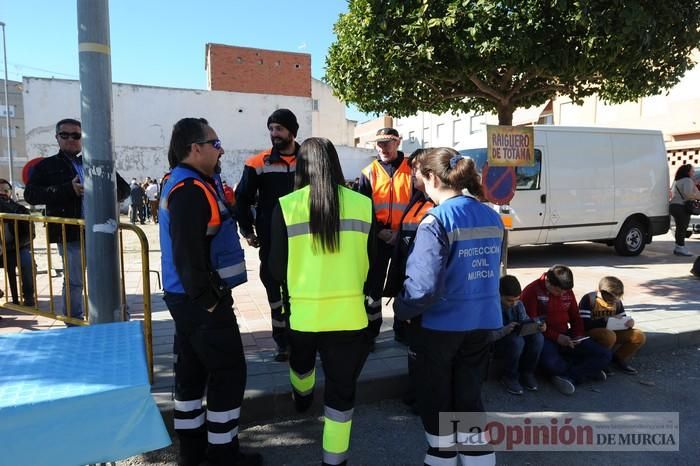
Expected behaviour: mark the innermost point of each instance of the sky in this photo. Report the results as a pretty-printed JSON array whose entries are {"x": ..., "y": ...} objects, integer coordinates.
[{"x": 162, "y": 42}]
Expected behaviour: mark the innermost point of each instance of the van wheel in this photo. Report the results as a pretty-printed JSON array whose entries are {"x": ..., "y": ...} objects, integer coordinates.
[{"x": 631, "y": 239}]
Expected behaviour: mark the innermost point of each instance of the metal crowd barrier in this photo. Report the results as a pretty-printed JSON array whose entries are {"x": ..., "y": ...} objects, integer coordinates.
[{"x": 44, "y": 263}]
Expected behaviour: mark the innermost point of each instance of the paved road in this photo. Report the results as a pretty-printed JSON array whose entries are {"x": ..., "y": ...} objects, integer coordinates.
[{"x": 387, "y": 434}]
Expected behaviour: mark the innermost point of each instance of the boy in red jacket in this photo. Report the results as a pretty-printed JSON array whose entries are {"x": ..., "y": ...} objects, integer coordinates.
[{"x": 567, "y": 355}]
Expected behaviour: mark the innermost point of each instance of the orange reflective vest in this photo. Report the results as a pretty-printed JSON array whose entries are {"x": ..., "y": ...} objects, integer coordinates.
[
  {"x": 390, "y": 194},
  {"x": 414, "y": 216}
]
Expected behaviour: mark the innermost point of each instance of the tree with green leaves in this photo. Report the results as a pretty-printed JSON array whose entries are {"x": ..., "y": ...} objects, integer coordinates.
[{"x": 405, "y": 56}]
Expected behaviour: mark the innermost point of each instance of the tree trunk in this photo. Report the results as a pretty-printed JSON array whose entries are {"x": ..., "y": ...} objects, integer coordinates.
[{"x": 505, "y": 115}]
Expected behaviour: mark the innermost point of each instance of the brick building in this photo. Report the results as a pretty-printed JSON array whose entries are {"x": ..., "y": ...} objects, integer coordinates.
[{"x": 243, "y": 69}]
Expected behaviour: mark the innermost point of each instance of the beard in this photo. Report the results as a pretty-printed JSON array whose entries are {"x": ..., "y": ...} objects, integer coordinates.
[{"x": 281, "y": 143}]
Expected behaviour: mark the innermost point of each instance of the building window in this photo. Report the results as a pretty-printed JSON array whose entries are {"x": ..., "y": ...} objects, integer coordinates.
[
  {"x": 426, "y": 137},
  {"x": 314, "y": 105},
  {"x": 13, "y": 132},
  {"x": 440, "y": 132},
  {"x": 457, "y": 128},
  {"x": 412, "y": 136},
  {"x": 477, "y": 124},
  {"x": 3, "y": 111}
]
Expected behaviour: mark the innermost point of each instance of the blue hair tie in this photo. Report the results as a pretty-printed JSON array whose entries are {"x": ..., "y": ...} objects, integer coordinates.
[{"x": 454, "y": 160}]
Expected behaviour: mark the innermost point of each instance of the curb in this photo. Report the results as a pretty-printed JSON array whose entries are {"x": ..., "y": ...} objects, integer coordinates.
[{"x": 375, "y": 384}]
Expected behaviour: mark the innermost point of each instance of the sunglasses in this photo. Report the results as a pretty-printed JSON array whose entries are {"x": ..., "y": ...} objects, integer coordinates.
[
  {"x": 64, "y": 135},
  {"x": 214, "y": 142}
]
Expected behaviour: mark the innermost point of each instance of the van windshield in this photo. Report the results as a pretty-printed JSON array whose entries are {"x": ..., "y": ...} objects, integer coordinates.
[{"x": 527, "y": 178}]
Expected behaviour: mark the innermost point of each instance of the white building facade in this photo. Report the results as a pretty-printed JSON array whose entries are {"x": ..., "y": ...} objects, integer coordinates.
[{"x": 143, "y": 117}]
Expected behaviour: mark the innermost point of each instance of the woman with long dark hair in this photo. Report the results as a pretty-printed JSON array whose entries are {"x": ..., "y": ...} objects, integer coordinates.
[
  {"x": 683, "y": 189},
  {"x": 321, "y": 248},
  {"x": 452, "y": 279}
]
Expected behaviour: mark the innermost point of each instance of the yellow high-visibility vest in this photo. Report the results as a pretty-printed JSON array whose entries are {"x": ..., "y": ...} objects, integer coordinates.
[{"x": 326, "y": 289}]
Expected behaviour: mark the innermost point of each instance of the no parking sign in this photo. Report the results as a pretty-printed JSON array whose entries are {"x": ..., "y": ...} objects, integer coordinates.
[{"x": 498, "y": 183}]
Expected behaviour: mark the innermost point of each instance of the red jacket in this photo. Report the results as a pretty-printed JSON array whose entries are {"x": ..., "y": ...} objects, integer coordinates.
[{"x": 561, "y": 312}]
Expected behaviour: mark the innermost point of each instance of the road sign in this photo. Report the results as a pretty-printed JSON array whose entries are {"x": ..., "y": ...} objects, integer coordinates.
[
  {"x": 510, "y": 146},
  {"x": 499, "y": 184}
]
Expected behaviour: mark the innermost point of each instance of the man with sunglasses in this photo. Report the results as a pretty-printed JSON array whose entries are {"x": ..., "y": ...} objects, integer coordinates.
[
  {"x": 58, "y": 183},
  {"x": 202, "y": 260}
]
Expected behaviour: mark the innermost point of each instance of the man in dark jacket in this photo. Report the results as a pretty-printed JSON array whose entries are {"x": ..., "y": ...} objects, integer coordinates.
[
  {"x": 23, "y": 238},
  {"x": 58, "y": 183},
  {"x": 268, "y": 176},
  {"x": 138, "y": 199}
]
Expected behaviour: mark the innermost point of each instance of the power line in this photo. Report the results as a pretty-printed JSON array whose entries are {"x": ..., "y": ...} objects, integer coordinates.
[{"x": 20, "y": 67}]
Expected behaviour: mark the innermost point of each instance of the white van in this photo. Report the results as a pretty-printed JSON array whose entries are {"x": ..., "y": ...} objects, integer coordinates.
[{"x": 591, "y": 184}]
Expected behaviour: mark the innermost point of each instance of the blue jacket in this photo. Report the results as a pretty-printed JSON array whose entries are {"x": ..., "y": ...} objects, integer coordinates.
[
  {"x": 453, "y": 270},
  {"x": 226, "y": 255}
]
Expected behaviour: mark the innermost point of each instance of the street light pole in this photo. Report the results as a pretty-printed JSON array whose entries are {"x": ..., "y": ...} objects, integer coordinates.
[
  {"x": 7, "y": 107},
  {"x": 101, "y": 215}
]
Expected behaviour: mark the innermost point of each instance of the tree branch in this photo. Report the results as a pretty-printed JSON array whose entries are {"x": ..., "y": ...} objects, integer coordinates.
[
  {"x": 508, "y": 75},
  {"x": 485, "y": 88},
  {"x": 542, "y": 90},
  {"x": 518, "y": 85}
]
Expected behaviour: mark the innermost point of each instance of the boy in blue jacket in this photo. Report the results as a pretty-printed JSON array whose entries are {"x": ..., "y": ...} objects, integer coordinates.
[{"x": 520, "y": 353}]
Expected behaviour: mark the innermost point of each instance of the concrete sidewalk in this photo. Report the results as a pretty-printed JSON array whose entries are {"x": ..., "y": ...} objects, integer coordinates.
[{"x": 660, "y": 294}]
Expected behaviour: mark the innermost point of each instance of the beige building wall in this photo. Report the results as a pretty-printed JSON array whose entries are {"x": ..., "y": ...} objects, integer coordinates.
[
  {"x": 328, "y": 116},
  {"x": 366, "y": 132},
  {"x": 19, "y": 154}
]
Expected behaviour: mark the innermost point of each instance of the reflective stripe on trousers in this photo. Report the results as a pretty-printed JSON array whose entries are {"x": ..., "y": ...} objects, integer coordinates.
[
  {"x": 336, "y": 435},
  {"x": 277, "y": 316},
  {"x": 303, "y": 384},
  {"x": 188, "y": 414},
  {"x": 440, "y": 441},
  {"x": 433, "y": 460},
  {"x": 222, "y": 426}
]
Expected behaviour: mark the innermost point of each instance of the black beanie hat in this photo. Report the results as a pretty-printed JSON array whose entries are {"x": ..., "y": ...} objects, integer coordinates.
[{"x": 286, "y": 118}]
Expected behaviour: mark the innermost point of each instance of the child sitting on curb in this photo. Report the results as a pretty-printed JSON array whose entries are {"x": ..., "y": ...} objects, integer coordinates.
[
  {"x": 598, "y": 308},
  {"x": 520, "y": 353}
]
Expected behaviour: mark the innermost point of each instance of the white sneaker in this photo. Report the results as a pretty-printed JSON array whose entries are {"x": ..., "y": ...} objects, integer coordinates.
[
  {"x": 564, "y": 385},
  {"x": 682, "y": 251}
]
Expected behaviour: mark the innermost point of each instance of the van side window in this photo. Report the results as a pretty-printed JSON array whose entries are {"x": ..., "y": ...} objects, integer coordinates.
[{"x": 528, "y": 178}]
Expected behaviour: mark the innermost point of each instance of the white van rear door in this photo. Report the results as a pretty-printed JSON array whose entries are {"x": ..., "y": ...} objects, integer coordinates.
[{"x": 580, "y": 195}]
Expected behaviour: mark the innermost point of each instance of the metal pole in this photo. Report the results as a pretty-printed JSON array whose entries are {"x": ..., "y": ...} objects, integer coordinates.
[
  {"x": 100, "y": 203},
  {"x": 7, "y": 108}
]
